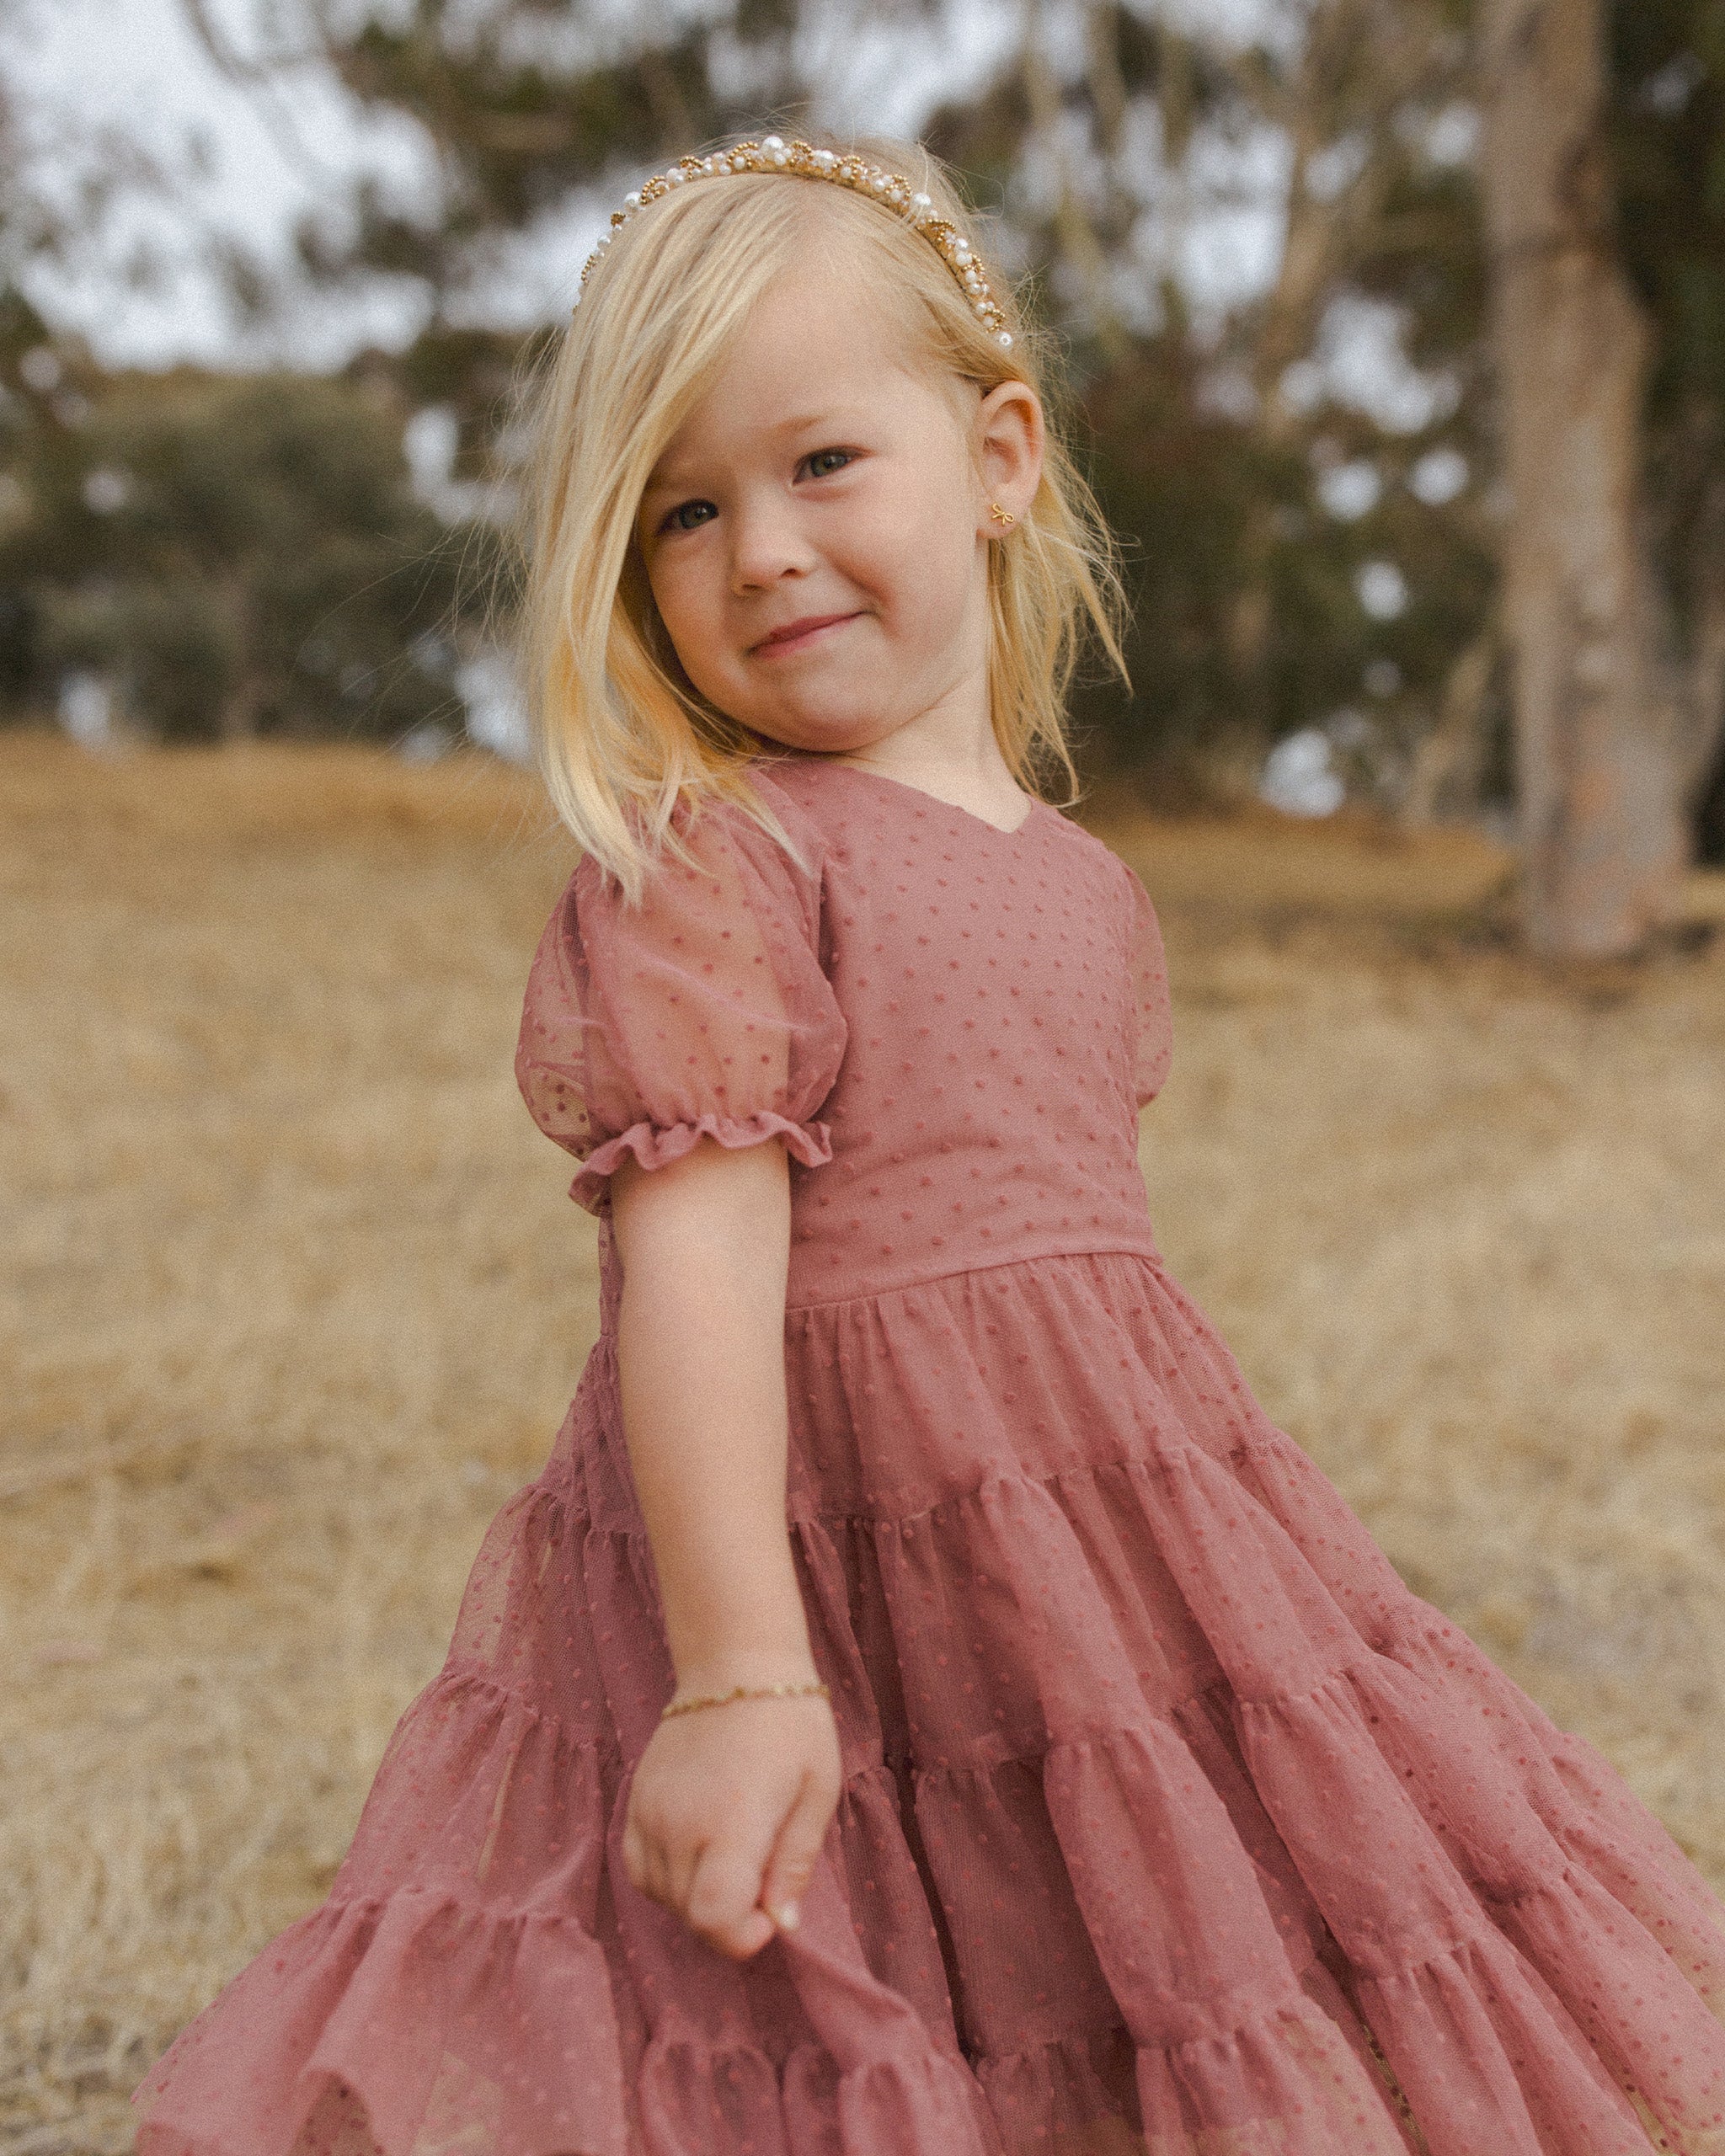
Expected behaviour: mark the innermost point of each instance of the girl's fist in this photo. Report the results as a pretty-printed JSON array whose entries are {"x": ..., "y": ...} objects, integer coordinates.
[{"x": 727, "y": 1814}]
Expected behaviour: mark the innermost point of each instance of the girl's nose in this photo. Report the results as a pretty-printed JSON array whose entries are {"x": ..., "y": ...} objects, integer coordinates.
[{"x": 767, "y": 543}]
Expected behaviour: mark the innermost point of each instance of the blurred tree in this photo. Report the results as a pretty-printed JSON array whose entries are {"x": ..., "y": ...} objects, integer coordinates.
[
  {"x": 237, "y": 556},
  {"x": 26, "y": 228},
  {"x": 527, "y": 104},
  {"x": 1598, "y": 733},
  {"x": 22, "y": 335},
  {"x": 1303, "y": 557}
]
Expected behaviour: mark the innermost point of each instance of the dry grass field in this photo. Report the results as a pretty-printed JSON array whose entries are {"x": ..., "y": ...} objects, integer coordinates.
[{"x": 294, "y": 1299}]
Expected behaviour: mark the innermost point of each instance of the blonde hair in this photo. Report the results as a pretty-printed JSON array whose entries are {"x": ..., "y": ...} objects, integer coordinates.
[{"x": 623, "y": 736}]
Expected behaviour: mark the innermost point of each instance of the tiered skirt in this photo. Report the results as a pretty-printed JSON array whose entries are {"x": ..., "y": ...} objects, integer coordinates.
[{"x": 1173, "y": 1824}]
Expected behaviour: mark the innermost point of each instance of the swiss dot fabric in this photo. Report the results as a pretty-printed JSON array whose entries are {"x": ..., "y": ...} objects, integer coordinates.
[
  {"x": 1172, "y": 1823},
  {"x": 700, "y": 1011}
]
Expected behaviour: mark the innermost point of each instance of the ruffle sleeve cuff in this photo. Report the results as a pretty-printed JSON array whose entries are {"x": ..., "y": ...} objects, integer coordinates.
[{"x": 657, "y": 1146}]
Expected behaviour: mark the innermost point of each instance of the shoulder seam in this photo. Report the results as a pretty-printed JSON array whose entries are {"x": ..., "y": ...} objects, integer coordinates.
[{"x": 798, "y": 824}]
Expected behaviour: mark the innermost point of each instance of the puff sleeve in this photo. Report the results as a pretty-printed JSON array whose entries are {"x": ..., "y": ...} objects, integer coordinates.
[
  {"x": 1153, "y": 1032},
  {"x": 701, "y": 1012}
]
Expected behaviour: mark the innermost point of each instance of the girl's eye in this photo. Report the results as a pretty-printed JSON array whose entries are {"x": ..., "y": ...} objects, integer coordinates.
[
  {"x": 686, "y": 515},
  {"x": 826, "y": 461}
]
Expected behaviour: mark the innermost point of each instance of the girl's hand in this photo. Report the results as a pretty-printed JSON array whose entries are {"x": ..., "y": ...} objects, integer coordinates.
[{"x": 727, "y": 1814}]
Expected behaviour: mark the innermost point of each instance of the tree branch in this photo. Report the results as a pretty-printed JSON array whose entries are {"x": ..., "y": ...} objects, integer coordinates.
[{"x": 1079, "y": 240}]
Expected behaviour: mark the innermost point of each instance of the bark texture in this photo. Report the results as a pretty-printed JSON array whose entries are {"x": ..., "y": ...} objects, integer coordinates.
[{"x": 1597, "y": 729}]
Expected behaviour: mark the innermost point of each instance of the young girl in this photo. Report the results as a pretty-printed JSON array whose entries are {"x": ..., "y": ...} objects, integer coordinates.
[{"x": 925, "y": 1707}]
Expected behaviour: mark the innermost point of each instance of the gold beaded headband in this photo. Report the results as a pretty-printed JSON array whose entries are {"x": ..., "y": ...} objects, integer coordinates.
[{"x": 800, "y": 161}]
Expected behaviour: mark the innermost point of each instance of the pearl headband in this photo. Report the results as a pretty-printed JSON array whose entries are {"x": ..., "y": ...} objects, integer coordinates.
[{"x": 801, "y": 161}]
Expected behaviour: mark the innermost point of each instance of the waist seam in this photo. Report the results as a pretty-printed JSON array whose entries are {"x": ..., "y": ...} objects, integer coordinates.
[{"x": 1147, "y": 1251}]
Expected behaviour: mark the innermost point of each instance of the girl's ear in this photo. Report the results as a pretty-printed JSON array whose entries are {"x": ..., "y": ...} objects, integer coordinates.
[{"x": 1009, "y": 440}]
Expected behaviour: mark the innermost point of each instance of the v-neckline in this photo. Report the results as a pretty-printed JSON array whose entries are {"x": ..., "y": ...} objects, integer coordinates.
[{"x": 970, "y": 816}]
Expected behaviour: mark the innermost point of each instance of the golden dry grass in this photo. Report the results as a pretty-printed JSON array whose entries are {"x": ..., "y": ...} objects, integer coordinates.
[{"x": 294, "y": 1299}]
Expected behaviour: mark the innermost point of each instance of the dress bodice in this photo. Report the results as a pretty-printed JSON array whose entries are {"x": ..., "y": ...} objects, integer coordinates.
[
  {"x": 952, "y": 1026},
  {"x": 1006, "y": 1004}
]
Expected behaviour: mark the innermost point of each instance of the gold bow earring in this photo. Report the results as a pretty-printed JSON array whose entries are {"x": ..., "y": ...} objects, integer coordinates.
[{"x": 1003, "y": 517}]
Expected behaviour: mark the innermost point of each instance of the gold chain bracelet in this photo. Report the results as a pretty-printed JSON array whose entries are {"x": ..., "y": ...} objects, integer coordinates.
[{"x": 745, "y": 1692}]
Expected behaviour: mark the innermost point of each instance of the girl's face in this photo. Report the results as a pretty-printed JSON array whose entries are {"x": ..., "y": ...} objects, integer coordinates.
[{"x": 815, "y": 533}]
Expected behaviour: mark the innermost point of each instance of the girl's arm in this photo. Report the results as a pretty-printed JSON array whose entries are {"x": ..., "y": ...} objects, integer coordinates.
[{"x": 729, "y": 1805}]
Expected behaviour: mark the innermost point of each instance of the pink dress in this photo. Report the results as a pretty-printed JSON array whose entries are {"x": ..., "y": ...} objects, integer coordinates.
[{"x": 1172, "y": 1821}]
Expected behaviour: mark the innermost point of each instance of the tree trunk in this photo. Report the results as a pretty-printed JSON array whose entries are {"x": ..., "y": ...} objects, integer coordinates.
[
  {"x": 243, "y": 698},
  {"x": 1450, "y": 762},
  {"x": 1603, "y": 834},
  {"x": 1081, "y": 242}
]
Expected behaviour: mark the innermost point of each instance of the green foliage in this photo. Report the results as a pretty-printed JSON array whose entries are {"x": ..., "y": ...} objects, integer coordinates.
[
  {"x": 1248, "y": 622},
  {"x": 1668, "y": 137},
  {"x": 1190, "y": 490},
  {"x": 22, "y": 414},
  {"x": 1669, "y": 125},
  {"x": 240, "y": 555},
  {"x": 1173, "y": 482},
  {"x": 525, "y": 105}
]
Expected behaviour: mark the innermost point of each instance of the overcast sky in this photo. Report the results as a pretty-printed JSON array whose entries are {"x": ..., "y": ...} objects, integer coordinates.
[
  {"x": 241, "y": 165},
  {"x": 235, "y": 165}
]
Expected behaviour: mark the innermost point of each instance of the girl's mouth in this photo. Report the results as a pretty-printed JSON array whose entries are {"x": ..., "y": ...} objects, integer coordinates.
[{"x": 799, "y": 635}]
